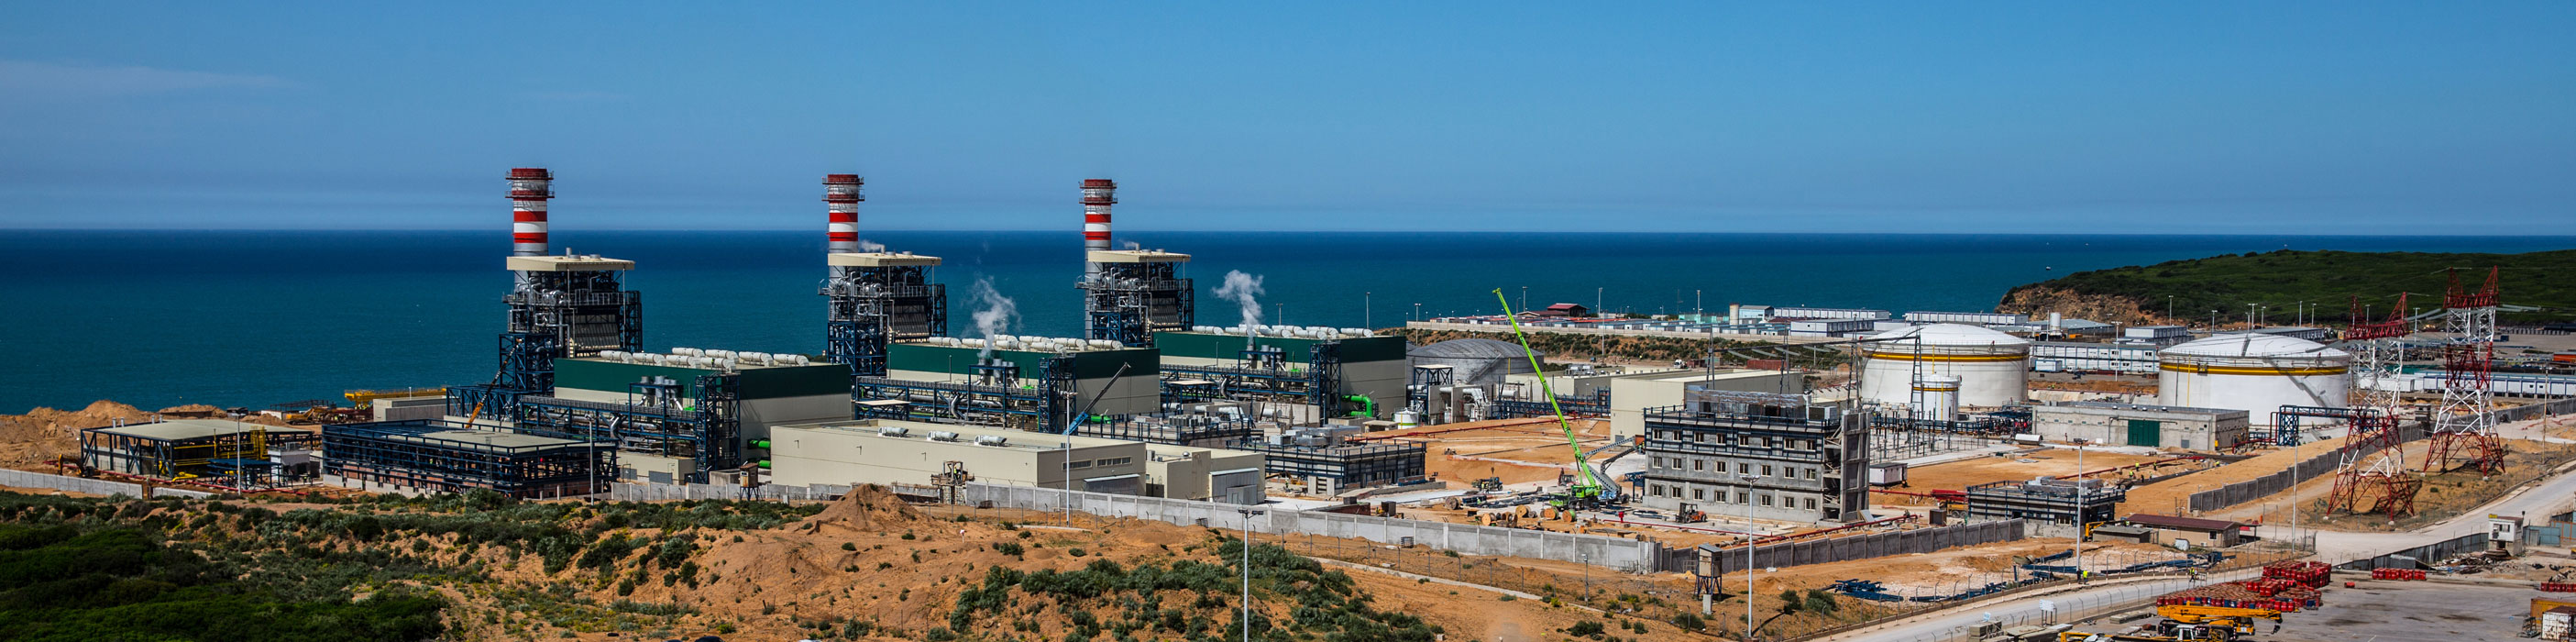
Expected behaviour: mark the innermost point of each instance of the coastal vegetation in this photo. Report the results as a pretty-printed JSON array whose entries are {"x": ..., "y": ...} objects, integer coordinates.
[{"x": 2324, "y": 281}]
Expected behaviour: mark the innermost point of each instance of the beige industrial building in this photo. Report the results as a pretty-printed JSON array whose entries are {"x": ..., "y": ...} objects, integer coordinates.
[
  {"x": 854, "y": 451},
  {"x": 2122, "y": 424},
  {"x": 1631, "y": 395}
]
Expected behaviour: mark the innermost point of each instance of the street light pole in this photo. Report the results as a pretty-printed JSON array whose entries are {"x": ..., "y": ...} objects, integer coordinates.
[
  {"x": 2080, "y": 496},
  {"x": 1248, "y": 514},
  {"x": 1364, "y": 310}
]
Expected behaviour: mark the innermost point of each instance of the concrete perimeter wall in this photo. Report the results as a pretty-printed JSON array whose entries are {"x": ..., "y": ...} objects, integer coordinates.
[
  {"x": 1628, "y": 555},
  {"x": 1921, "y": 540},
  {"x": 24, "y": 479}
]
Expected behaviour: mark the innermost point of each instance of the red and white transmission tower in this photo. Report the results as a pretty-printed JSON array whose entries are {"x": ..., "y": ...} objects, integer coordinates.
[
  {"x": 2372, "y": 476},
  {"x": 2464, "y": 431}
]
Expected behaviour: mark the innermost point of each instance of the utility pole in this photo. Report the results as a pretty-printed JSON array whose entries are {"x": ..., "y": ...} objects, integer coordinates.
[
  {"x": 1248, "y": 514},
  {"x": 2169, "y": 307},
  {"x": 1364, "y": 310}
]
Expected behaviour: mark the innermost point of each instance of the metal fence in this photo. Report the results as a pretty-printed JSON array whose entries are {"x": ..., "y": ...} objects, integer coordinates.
[
  {"x": 24, "y": 479},
  {"x": 2321, "y": 465},
  {"x": 1627, "y": 555},
  {"x": 681, "y": 492},
  {"x": 2071, "y": 607},
  {"x": 2428, "y": 553}
]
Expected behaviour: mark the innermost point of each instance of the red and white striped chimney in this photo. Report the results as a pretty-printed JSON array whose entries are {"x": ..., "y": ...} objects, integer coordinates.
[
  {"x": 841, "y": 196},
  {"x": 1097, "y": 195},
  {"x": 530, "y": 187}
]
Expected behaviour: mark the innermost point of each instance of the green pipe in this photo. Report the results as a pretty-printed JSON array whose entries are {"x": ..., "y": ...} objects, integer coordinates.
[
  {"x": 1368, "y": 406},
  {"x": 764, "y": 464},
  {"x": 760, "y": 443}
]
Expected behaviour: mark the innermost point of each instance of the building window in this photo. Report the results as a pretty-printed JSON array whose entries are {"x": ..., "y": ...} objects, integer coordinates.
[
  {"x": 1656, "y": 490},
  {"x": 1115, "y": 461},
  {"x": 1811, "y": 503},
  {"x": 1743, "y": 497},
  {"x": 1766, "y": 470},
  {"x": 1698, "y": 494},
  {"x": 1079, "y": 464},
  {"x": 1811, "y": 473},
  {"x": 1766, "y": 500},
  {"x": 1744, "y": 469}
]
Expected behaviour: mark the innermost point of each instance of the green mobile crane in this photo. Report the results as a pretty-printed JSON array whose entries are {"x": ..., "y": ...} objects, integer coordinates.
[{"x": 1588, "y": 488}]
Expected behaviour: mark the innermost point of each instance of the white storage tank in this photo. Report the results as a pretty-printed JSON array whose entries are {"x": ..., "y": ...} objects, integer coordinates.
[
  {"x": 1940, "y": 397},
  {"x": 1993, "y": 368},
  {"x": 2256, "y": 373}
]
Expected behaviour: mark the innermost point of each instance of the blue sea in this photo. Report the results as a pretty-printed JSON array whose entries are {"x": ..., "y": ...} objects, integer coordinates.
[{"x": 236, "y": 318}]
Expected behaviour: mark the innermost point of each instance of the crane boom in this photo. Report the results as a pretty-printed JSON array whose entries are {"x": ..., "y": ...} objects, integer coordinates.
[{"x": 1585, "y": 486}]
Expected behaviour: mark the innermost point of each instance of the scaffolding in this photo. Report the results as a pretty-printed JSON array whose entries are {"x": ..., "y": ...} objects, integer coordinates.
[
  {"x": 1762, "y": 429},
  {"x": 439, "y": 456},
  {"x": 700, "y": 421},
  {"x": 1346, "y": 465},
  {"x": 2464, "y": 427},
  {"x": 1596, "y": 406},
  {"x": 872, "y": 305},
  {"x": 2065, "y": 502},
  {"x": 1129, "y": 302}
]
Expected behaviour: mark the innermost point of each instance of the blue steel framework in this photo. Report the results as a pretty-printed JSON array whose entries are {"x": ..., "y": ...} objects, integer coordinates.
[
  {"x": 1595, "y": 407},
  {"x": 872, "y": 306},
  {"x": 233, "y": 458},
  {"x": 409, "y": 454},
  {"x": 1264, "y": 376},
  {"x": 574, "y": 313},
  {"x": 658, "y": 418},
  {"x": 1129, "y": 302},
  {"x": 1348, "y": 465},
  {"x": 992, "y": 396}
]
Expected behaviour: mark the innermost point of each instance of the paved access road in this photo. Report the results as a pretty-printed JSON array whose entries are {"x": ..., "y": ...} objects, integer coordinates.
[{"x": 2551, "y": 496}]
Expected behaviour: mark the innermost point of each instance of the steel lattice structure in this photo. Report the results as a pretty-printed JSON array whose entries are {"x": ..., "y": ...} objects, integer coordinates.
[{"x": 2464, "y": 431}]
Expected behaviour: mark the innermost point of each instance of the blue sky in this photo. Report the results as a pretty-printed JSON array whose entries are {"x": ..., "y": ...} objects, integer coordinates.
[{"x": 2274, "y": 117}]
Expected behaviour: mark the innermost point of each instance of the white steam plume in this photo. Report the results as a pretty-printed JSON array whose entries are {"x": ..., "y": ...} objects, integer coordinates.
[
  {"x": 1245, "y": 291},
  {"x": 870, "y": 246},
  {"x": 1130, "y": 245},
  {"x": 996, "y": 316}
]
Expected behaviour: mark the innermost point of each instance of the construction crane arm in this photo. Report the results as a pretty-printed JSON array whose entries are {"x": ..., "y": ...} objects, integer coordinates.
[{"x": 1585, "y": 484}]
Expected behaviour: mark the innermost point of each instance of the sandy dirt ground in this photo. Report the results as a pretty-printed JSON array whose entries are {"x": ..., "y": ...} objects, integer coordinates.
[
  {"x": 1959, "y": 475},
  {"x": 2163, "y": 497}
]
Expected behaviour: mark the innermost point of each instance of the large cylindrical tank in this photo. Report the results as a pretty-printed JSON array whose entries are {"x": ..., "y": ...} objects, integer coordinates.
[
  {"x": 1993, "y": 368},
  {"x": 2256, "y": 373}
]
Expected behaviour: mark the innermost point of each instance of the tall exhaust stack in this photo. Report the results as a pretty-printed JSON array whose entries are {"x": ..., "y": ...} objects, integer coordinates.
[
  {"x": 841, "y": 197},
  {"x": 530, "y": 187},
  {"x": 1097, "y": 195}
]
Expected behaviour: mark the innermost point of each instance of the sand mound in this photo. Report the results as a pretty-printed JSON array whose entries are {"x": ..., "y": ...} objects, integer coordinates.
[{"x": 867, "y": 508}]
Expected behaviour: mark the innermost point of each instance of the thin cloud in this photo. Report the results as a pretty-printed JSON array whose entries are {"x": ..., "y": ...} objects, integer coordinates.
[{"x": 42, "y": 79}]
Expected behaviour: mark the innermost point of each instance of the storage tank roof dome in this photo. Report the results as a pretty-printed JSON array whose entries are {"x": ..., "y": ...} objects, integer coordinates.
[
  {"x": 1469, "y": 349},
  {"x": 1952, "y": 334},
  {"x": 2257, "y": 345}
]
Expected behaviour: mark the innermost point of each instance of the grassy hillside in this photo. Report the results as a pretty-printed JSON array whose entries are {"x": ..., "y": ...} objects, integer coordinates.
[{"x": 2283, "y": 278}]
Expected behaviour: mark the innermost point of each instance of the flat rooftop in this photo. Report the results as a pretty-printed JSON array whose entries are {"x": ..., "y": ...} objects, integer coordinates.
[
  {"x": 920, "y": 430},
  {"x": 880, "y": 259},
  {"x": 575, "y": 263},
  {"x": 182, "y": 429},
  {"x": 1136, "y": 256}
]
